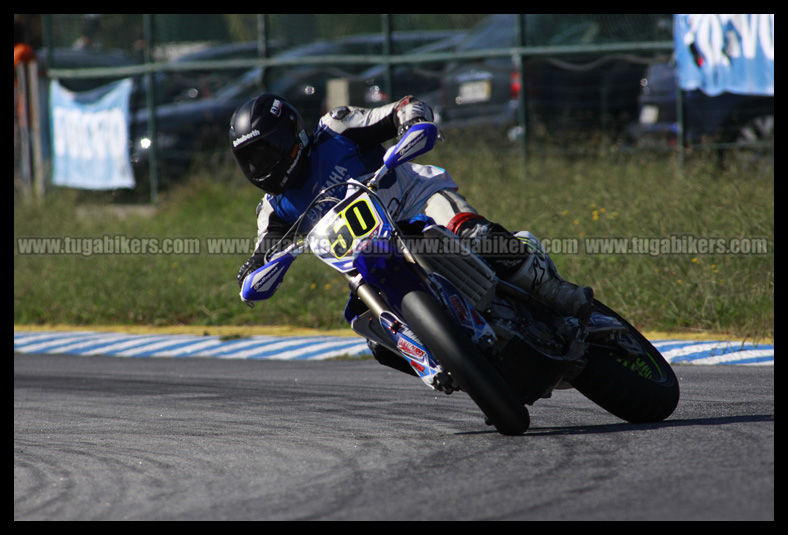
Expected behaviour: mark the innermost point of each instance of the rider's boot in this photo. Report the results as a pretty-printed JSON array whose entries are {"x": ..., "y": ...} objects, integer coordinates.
[
  {"x": 538, "y": 277},
  {"x": 521, "y": 260}
]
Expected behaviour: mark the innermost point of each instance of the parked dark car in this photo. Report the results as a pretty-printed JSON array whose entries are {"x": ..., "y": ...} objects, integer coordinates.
[
  {"x": 421, "y": 79},
  {"x": 184, "y": 130},
  {"x": 584, "y": 91},
  {"x": 305, "y": 86},
  {"x": 725, "y": 119},
  {"x": 188, "y": 127},
  {"x": 68, "y": 58},
  {"x": 179, "y": 84}
]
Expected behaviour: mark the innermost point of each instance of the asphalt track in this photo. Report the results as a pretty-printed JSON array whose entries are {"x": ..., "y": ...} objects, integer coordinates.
[{"x": 107, "y": 438}]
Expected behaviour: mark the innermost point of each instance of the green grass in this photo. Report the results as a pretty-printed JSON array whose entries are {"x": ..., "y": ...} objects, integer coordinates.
[{"x": 564, "y": 200}]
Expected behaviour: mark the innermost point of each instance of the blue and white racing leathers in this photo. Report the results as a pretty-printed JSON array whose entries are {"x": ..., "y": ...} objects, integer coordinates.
[{"x": 347, "y": 144}]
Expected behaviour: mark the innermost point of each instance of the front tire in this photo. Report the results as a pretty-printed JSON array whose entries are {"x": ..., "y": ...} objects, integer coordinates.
[{"x": 455, "y": 352}]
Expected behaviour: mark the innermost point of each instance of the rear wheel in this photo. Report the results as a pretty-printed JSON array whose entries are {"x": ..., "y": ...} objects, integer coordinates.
[
  {"x": 455, "y": 352},
  {"x": 628, "y": 377}
]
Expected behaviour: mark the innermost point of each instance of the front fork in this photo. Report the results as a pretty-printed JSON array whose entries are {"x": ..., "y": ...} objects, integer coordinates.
[{"x": 381, "y": 323}]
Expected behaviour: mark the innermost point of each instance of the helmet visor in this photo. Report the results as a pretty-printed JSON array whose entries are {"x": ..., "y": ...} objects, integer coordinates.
[{"x": 262, "y": 156}]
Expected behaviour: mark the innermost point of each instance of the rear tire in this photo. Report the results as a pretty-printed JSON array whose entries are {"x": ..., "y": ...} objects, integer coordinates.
[
  {"x": 640, "y": 390},
  {"x": 455, "y": 352}
]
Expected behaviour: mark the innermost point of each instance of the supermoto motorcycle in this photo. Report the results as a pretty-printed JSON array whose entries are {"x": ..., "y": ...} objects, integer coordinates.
[{"x": 419, "y": 291}]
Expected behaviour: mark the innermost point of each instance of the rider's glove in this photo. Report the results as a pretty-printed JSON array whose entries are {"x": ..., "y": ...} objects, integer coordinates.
[
  {"x": 410, "y": 111},
  {"x": 255, "y": 262}
]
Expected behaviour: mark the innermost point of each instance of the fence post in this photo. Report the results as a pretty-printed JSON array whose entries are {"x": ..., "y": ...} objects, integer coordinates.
[
  {"x": 22, "y": 115},
  {"x": 262, "y": 36},
  {"x": 150, "y": 102},
  {"x": 387, "y": 50},
  {"x": 35, "y": 129},
  {"x": 521, "y": 116},
  {"x": 679, "y": 121}
]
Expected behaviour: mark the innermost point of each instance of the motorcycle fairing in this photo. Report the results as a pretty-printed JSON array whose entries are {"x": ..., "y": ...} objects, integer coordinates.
[
  {"x": 382, "y": 264},
  {"x": 469, "y": 319},
  {"x": 346, "y": 227}
]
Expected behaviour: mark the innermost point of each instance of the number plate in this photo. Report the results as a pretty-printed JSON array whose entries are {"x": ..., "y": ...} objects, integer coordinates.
[
  {"x": 353, "y": 223},
  {"x": 649, "y": 114},
  {"x": 475, "y": 91}
]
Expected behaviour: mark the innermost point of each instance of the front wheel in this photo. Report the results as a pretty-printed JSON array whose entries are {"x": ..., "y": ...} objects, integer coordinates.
[
  {"x": 628, "y": 377},
  {"x": 455, "y": 352}
]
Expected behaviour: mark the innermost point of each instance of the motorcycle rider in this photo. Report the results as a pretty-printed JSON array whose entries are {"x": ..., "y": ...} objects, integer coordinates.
[{"x": 274, "y": 151}]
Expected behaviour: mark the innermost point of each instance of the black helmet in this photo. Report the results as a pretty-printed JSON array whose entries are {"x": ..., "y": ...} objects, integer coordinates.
[{"x": 269, "y": 143}]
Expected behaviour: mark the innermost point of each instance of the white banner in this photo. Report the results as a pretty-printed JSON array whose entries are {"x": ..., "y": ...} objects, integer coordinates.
[{"x": 90, "y": 137}]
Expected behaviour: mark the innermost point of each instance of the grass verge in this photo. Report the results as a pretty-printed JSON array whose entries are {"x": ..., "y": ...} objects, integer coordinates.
[{"x": 685, "y": 248}]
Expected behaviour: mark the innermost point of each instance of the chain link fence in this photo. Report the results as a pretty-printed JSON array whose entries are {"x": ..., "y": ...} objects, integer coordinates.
[{"x": 540, "y": 83}]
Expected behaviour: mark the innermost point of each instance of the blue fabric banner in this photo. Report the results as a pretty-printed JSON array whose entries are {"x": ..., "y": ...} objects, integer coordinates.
[
  {"x": 725, "y": 53},
  {"x": 90, "y": 137}
]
